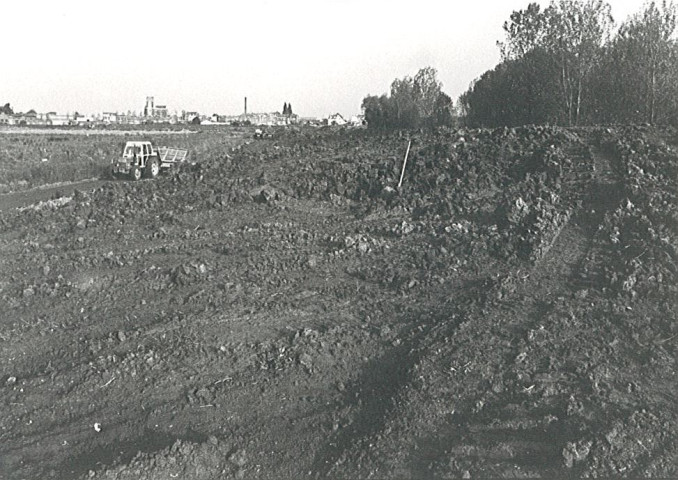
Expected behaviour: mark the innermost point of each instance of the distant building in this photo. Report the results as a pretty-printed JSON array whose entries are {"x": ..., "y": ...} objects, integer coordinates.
[
  {"x": 336, "y": 119},
  {"x": 58, "y": 120},
  {"x": 29, "y": 118},
  {"x": 151, "y": 110},
  {"x": 130, "y": 119},
  {"x": 160, "y": 111},
  {"x": 188, "y": 117},
  {"x": 109, "y": 117},
  {"x": 357, "y": 120},
  {"x": 83, "y": 121},
  {"x": 148, "y": 109},
  {"x": 265, "y": 119}
]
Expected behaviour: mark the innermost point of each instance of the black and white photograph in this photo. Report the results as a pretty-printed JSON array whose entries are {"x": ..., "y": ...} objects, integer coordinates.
[{"x": 338, "y": 239}]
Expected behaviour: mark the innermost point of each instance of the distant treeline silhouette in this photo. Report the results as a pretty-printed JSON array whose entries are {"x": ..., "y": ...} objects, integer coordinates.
[
  {"x": 566, "y": 65},
  {"x": 412, "y": 103}
]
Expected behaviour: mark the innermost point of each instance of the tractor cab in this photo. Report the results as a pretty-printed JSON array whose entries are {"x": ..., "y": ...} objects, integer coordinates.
[{"x": 137, "y": 153}]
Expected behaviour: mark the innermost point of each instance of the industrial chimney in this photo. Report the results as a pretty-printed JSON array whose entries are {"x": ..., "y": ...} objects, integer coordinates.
[{"x": 245, "y": 106}]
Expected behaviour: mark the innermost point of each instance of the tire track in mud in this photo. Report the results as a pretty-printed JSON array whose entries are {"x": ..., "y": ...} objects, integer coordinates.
[
  {"x": 506, "y": 441},
  {"x": 461, "y": 405},
  {"x": 416, "y": 400},
  {"x": 377, "y": 393},
  {"x": 25, "y": 198}
]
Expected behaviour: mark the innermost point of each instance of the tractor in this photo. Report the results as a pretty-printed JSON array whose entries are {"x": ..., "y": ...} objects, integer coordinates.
[{"x": 140, "y": 159}]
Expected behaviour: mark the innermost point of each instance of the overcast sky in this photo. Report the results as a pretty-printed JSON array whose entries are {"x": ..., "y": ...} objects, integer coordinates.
[{"x": 322, "y": 56}]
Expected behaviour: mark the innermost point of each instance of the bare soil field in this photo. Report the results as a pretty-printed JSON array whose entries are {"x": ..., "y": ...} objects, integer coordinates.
[
  {"x": 31, "y": 158},
  {"x": 281, "y": 310}
]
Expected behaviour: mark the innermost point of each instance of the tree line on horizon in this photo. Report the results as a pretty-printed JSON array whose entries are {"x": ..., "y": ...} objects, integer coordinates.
[
  {"x": 413, "y": 102},
  {"x": 6, "y": 109},
  {"x": 565, "y": 65}
]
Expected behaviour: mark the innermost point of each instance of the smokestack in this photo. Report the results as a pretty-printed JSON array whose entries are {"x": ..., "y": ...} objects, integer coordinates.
[{"x": 245, "y": 105}]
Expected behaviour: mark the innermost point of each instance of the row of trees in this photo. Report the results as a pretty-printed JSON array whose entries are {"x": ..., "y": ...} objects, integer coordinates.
[
  {"x": 564, "y": 65},
  {"x": 412, "y": 103}
]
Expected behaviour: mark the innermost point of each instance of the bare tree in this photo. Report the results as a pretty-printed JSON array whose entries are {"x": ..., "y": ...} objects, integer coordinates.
[
  {"x": 649, "y": 35},
  {"x": 573, "y": 32},
  {"x": 402, "y": 94},
  {"x": 427, "y": 89},
  {"x": 525, "y": 31},
  {"x": 577, "y": 32}
]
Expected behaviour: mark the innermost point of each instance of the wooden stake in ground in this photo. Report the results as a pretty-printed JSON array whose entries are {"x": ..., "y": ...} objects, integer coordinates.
[{"x": 402, "y": 174}]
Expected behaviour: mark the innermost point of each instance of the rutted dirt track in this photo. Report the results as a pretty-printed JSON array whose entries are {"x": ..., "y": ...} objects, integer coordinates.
[
  {"x": 283, "y": 312},
  {"x": 22, "y": 199}
]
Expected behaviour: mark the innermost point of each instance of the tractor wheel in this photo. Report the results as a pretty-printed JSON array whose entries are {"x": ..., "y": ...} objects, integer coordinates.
[
  {"x": 152, "y": 168},
  {"x": 135, "y": 173}
]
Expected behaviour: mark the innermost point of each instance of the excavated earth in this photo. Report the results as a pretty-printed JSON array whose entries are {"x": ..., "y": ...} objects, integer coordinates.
[{"x": 284, "y": 310}]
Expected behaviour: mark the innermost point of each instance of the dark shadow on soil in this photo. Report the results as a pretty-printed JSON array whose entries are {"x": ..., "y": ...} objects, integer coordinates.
[
  {"x": 122, "y": 452},
  {"x": 374, "y": 393}
]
